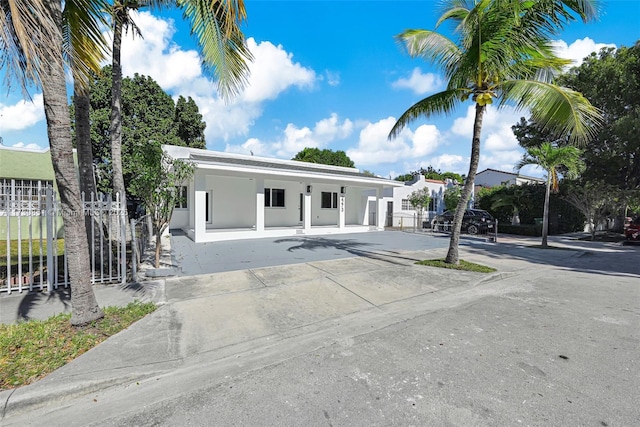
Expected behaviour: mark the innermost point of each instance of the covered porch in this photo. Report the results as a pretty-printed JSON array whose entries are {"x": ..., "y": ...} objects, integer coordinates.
[{"x": 241, "y": 197}]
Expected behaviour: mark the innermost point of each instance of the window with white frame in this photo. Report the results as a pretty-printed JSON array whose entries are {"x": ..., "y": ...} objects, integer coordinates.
[
  {"x": 274, "y": 197},
  {"x": 329, "y": 200},
  {"x": 406, "y": 205},
  {"x": 181, "y": 197},
  {"x": 432, "y": 204}
]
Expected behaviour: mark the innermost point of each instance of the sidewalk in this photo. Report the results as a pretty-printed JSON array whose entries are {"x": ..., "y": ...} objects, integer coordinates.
[{"x": 232, "y": 320}]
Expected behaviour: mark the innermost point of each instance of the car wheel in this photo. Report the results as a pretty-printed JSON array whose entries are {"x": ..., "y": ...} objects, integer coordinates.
[{"x": 472, "y": 229}]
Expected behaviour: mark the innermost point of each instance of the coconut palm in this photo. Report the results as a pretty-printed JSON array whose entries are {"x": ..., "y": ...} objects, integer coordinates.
[
  {"x": 33, "y": 51},
  {"x": 555, "y": 160},
  {"x": 503, "y": 53},
  {"x": 217, "y": 26}
]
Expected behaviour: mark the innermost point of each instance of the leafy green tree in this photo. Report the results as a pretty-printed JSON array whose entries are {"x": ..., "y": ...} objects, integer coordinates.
[
  {"x": 452, "y": 197},
  {"x": 156, "y": 181},
  {"x": 596, "y": 200},
  {"x": 189, "y": 123},
  {"x": 503, "y": 53},
  {"x": 324, "y": 156},
  {"x": 420, "y": 199},
  {"x": 610, "y": 79},
  {"x": 555, "y": 160},
  {"x": 149, "y": 115}
]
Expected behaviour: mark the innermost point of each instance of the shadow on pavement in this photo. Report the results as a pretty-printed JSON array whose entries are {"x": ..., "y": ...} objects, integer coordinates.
[
  {"x": 351, "y": 246},
  {"x": 608, "y": 259},
  {"x": 31, "y": 300}
]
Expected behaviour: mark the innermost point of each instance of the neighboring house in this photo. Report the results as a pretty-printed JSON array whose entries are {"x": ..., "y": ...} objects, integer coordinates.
[
  {"x": 493, "y": 178},
  {"x": 398, "y": 210},
  {"x": 234, "y": 196},
  {"x": 24, "y": 176}
]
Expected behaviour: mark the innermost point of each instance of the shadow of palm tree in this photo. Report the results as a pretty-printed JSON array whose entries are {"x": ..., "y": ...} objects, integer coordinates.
[
  {"x": 32, "y": 299},
  {"x": 351, "y": 246}
]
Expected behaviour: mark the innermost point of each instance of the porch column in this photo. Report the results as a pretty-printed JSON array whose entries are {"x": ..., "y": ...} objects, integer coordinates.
[
  {"x": 200, "y": 200},
  {"x": 259, "y": 204},
  {"x": 341, "y": 209},
  {"x": 306, "y": 223},
  {"x": 381, "y": 209}
]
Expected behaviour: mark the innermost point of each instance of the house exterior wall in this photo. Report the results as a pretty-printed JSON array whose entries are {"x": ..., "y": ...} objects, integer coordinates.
[
  {"x": 290, "y": 214},
  {"x": 493, "y": 178},
  {"x": 233, "y": 201}
]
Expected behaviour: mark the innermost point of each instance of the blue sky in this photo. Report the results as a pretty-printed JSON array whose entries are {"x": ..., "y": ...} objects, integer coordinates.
[{"x": 328, "y": 74}]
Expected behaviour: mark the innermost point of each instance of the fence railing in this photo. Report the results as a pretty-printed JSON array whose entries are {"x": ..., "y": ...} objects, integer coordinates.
[{"x": 32, "y": 250}]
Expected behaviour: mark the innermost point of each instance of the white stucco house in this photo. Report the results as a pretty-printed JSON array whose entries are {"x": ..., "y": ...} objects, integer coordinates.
[
  {"x": 233, "y": 196},
  {"x": 494, "y": 177},
  {"x": 399, "y": 212}
]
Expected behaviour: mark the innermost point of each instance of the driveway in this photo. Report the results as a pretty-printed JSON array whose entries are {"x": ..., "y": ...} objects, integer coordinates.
[{"x": 218, "y": 257}]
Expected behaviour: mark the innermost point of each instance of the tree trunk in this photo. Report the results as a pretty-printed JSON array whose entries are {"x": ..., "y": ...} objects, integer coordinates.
[
  {"x": 94, "y": 227},
  {"x": 158, "y": 248},
  {"x": 115, "y": 128},
  {"x": 545, "y": 215},
  {"x": 83, "y": 302},
  {"x": 452, "y": 255}
]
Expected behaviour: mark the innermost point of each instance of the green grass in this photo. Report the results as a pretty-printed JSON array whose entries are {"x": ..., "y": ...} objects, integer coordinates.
[
  {"x": 35, "y": 247},
  {"x": 31, "y": 350},
  {"x": 464, "y": 265}
]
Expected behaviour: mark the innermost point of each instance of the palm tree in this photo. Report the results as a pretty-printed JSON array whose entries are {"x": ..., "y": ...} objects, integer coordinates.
[
  {"x": 33, "y": 51},
  {"x": 554, "y": 160},
  {"x": 217, "y": 25},
  {"x": 504, "y": 54}
]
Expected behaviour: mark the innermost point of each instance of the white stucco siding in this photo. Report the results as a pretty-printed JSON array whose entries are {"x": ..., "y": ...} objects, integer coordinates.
[
  {"x": 354, "y": 209},
  {"x": 288, "y": 215},
  {"x": 320, "y": 215},
  {"x": 233, "y": 202}
]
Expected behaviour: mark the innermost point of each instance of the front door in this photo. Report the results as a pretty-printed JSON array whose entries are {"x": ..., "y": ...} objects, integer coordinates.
[
  {"x": 208, "y": 206},
  {"x": 301, "y": 208}
]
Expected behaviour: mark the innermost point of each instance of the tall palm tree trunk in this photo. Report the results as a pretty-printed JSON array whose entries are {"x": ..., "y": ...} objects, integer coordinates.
[
  {"x": 83, "y": 302},
  {"x": 453, "y": 256},
  {"x": 545, "y": 214},
  {"x": 83, "y": 140},
  {"x": 115, "y": 128}
]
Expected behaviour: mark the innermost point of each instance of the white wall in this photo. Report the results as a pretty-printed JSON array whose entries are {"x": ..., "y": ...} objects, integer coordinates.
[
  {"x": 494, "y": 178},
  {"x": 320, "y": 216},
  {"x": 354, "y": 209},
  {"x": 234, "y": 201},
  {"x": 290, "y": 214},
  {"x": 436, "y": 191}
]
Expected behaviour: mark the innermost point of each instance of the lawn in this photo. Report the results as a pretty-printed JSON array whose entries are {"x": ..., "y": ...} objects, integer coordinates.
[
  {"x": 464, "y": 265},
  {"x": 31, "y": 350},
  {"x": 35, "y": 247}
]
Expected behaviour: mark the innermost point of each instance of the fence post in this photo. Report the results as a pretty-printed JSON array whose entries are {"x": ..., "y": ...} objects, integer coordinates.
[
  {"x": 134, "y": 252},
  {"x": 49, "y": 212},
  {"x": 8, "y": 211},
  {"x": 123, "y": 239}
]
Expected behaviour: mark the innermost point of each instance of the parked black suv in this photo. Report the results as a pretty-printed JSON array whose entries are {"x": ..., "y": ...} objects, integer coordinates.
[{"x": 475, "y": 221}]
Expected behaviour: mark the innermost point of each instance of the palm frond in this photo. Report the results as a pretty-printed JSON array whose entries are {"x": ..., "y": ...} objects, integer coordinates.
[
  {"x": 84, "y": 45},
  {"x": 430, "y": 46},
  {"x": 557, "y": 109},
  {"x": 442, "y": 102},
  {"x": 216, "y": 25},
  {"x": 27, "y": 32}
]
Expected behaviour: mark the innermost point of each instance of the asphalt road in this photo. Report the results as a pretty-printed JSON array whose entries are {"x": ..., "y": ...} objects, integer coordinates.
[{"x": 553, "y": 343}]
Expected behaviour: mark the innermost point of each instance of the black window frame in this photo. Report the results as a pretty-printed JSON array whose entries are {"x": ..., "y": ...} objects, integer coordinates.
[
  {"x": 274, "y": 198},
  {"x": 329, "y": 200}
]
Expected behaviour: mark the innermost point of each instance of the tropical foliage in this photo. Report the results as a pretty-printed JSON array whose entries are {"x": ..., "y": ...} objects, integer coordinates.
[
  {"x": 502, "y": 53},
  {"x": 150, "y": 116},
  {"x": 324, "y": 156},
  {"x": 156, "y": 181},
  {"x": 556, "y": 161},
  {"x": 420, "y": 199}
]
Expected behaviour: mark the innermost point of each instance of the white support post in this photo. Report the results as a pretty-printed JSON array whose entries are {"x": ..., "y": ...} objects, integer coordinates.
[
  {"x": 380, "y": 211},
  {"x": 307, "y": 207},
  {"x": 50, "y": 242},
  {"x": 341, "y": 210},
  {"x": 123, "y": 239},
  {"x": 259, "y": 204},
  {"x": 200, "y": 219}
]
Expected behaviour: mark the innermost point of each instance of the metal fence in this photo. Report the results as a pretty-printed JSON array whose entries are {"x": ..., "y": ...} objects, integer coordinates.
[
  {"x": 32, "y": 252},
  {"x": 420, "y": 223}
]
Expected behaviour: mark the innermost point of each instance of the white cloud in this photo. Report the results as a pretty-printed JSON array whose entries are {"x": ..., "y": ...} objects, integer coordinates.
[
  {"x": 419, "y": 83},
  {"x": 179, "y": 72},
  {"x": 450, "y": 163},
  {"x": 272, "y": 72},
  {"x": 31, "y": 146},
  {"x": 21, "y": 115},
  {"x": 579, "y": 49},
  {"x": 496, "y": 127},
  {"x": 294, "y": 139},
  {"x": 375, "y": 148},
  {"x": 333, "y": 77}
]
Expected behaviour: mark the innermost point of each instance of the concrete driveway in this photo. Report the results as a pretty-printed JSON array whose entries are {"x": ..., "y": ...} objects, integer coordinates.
[{"x": 217, "y": 257}]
